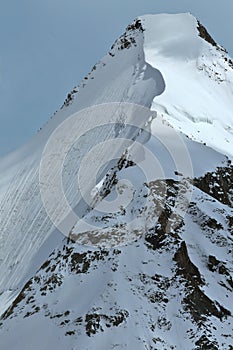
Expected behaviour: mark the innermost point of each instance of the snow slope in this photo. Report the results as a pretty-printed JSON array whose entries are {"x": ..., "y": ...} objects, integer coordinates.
[
  {"x": 170, "y": 286},
  {"x": 198, "y": 75},
  {"x": 24, "y": 222}
]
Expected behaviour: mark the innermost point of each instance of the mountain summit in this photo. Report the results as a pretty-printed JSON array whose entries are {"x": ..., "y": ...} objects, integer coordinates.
[
  {"x": 116, "y": 218},
  {"x": 194, "y": 68}
]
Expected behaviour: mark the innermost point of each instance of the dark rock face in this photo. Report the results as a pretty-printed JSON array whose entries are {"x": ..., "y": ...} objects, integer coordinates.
[
  {"x": 97, "y": 322},
  {"x": 185, "y": 266},
  {"x": 200, "y": 306},
  {"x": 218, "y": 184},
  {"x": 129, "y": 38},
  {"x": 203, "y": 33},
  {"x": 22, "y": 295},
  {"x": 136, "y": 25},
  {"x": 168, "y": 223}
]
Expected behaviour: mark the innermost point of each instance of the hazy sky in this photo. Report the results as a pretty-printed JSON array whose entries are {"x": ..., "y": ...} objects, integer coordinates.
[{"x": 48, "y": 46}]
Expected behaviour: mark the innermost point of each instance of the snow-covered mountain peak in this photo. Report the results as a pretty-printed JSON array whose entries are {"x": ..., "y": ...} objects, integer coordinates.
[
  {"x": 192, "y": 67},
  {"x": 157, "y": 272},
  {"x": 198, "y": 76},
  {"x": 172, "y": 36}
]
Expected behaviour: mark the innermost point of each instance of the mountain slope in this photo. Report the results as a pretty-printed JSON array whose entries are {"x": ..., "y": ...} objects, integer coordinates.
[
  {"x": 198, "y": 75},
  {"x": 155, "y": 273}
]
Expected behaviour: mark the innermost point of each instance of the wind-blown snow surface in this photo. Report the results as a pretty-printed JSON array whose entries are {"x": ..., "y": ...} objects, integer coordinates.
[
  {"x": 171, "y": 287},
  {"x": 198, "y": 78}
]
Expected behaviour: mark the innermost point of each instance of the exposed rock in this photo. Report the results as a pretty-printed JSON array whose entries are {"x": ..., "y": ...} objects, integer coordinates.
[
  {"x": 218, "y": 184},
  {"x": 185, "y": 266}
]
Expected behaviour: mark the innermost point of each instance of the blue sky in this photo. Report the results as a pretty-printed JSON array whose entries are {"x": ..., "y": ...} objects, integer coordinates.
[{"x": 47, "y": 46}]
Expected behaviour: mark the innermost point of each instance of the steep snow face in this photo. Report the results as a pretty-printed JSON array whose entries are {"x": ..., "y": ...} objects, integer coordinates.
[
  {"x": 173, "y": 37},
  {"x": 122, "y": 75},
  {"x": 198, "y": 98}
]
